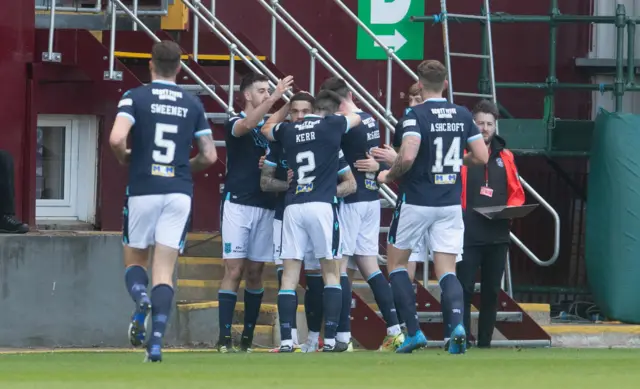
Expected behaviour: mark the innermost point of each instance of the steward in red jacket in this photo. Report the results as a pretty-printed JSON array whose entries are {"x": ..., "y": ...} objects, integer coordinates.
[{"x": 486, "y": 242}]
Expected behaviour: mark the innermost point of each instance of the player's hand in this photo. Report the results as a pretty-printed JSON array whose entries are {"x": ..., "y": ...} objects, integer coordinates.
[
  {"x": 384, "y": 154},
  {"x": 261, "y": 162},
  {"x": 368, "y": 164},
  {"x": 382, "y": 177},
  {"x": 283, "y": 86},
  {"x": 289, "y": 176}
]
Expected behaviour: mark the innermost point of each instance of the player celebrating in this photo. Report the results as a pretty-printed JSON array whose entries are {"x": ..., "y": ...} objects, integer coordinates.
[
  {"x": 430, "y": 159},
  {"x": 162, "y": 120},
  {"x": 310, "y": 217},
  {"x": 360, "y": 220},
  {"x": 247, "y": 212},
  {"x": 274, "y": 179}
]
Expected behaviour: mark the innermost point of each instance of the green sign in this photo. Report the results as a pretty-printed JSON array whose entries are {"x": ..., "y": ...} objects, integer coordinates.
[{"x": 389, "y": 21}]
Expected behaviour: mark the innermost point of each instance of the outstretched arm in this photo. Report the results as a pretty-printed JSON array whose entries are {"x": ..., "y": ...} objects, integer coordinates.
[{"x": 207, "y": 154}]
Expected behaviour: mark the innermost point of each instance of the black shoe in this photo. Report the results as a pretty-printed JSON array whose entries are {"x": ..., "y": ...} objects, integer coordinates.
[
  {"x": 245, "y": 344},
  {"x": 9, "y": 225},
  {"x": 338, "y": 348},
  {"x": 285, "y": 349}
]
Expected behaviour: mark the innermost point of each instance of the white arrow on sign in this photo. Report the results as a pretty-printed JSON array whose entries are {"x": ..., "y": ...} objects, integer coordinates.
[
  {"x": 383, "y": 12},
  {"x": 396, "y": 40}
]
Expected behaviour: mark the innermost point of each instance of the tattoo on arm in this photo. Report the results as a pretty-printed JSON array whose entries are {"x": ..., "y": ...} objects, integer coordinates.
[
  {"x": 268, "y": 181},
  {"x": 406, "y": 157},
  {"x": 347, "y": 185}
]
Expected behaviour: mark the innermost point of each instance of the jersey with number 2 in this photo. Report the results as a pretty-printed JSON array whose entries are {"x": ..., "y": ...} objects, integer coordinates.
[
  {"x": 165, "y": 121},
  {"x": 444, "y": 130},
  {"x": 312, "y": 147}
]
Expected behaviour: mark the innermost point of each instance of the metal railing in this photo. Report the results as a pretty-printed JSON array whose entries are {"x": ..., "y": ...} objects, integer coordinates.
[
  {"x": 236, "y": 47},
  {"x": 98, "y": 8},
  {"x": 110, "y": 73}
]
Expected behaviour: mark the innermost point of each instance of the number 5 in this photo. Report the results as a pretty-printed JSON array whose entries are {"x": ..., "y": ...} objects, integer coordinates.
[
  {"x": 309, "y": 167},
  {"x": 169, "y": 146}
]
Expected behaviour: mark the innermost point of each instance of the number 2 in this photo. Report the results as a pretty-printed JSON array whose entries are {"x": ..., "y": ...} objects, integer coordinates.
[
  {"x": 309, "y": 167},
  {"x": 169, "y": 146},
  {"x": 451, "y": 159}
]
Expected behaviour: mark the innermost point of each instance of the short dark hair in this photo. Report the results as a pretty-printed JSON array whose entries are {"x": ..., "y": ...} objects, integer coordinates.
[
  {"x": 165, "y": 56},
  {"x": 302, "y": 96},
  {"x": 486, "y": 106},
  {"x": 250, "y": 79},
  {"x": 327, "y": 101},
  {"x": 432, "y": 74},
  {"x": 336, "y": 85},
  {"x": 414, "y": 89}
]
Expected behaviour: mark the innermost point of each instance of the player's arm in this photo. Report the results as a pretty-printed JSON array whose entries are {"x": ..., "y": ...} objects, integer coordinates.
[
  {"x": 478, "y": 152},
  {"x": 243, "y": 126},
  {"x": 268, "y": 181},
  {"x": 125, "y": 120},
  {"x": 348, "y": 184},
  {"x": 207, "y": 154},
  {"x": 408, "y": 152},
  {"x": 273, "y": 121}
]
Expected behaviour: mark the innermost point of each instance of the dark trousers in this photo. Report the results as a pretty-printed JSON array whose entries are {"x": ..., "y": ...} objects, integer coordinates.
[
  {"x": 7, "y": 205},
  {"x": 491, "y": 261}
]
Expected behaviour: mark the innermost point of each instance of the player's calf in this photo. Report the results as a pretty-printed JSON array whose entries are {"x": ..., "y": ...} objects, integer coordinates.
[
  {"x": 332, "y": 302},
  {"x": 313, "y": 307},
  {"x": 287, "y": 302},
  {"x": 227, "y": 298},
  {"x": 452, "y": 297},
  {"x": 253, "y": 294}
]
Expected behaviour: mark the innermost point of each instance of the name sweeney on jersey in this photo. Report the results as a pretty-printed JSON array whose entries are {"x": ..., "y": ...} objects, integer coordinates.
[
  {"x": 172, "y": 110},
  {"x": 447, "y": 127}
]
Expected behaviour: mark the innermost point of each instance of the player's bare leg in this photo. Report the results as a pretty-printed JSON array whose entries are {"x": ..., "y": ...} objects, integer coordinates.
[
  {"x": 332, "y": 302},
  {"x": 411, "y": 269},
  {"x": 452, "y": 301},
  {"x": 136, "y": 262},
  {"x": 164, "y": 262},
  {"x": 313, "y": 310},
  {"x": 227, "y": 298},
  {"x": 370, "y": 270},
  {"x": 404, "y": 297},
  {"x": 287, "y": 305},
  {"x": 253, "y": 293}
]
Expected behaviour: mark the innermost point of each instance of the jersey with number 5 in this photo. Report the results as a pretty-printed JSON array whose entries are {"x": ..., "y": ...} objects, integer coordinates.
[
  {"x": 312, "y": 147},
  {"x": 165, "y": 121},
  {"x": 444, "y": 129}
]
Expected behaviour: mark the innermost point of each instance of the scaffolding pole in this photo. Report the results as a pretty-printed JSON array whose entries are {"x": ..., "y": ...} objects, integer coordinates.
[{"x": 622, "y": 83}]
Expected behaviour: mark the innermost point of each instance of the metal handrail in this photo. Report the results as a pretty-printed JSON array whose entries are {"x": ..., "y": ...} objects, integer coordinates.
[
  {"x": 52, "y": 6},
  {"x": 191, "y": 73},
  {"x": 232, "y": 39},
  {"x": 386, "y": 192},
  {"x": 233, "y": 48},
  {"x": 292, "y": 21}
]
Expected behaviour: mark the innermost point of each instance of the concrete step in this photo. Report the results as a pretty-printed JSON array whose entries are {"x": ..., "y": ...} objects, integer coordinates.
[
  {"x": 208, "y": 268},
  {"x": 594, "y": 335},
  {"x": 203, "y": 245},
  {"x": 207, "y": 290}
]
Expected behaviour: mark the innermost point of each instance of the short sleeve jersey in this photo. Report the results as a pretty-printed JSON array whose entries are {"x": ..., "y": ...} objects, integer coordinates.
[
  {"x": 311, "y": 149},
  {"x": 444, "y": 129},
  {"x": 242, "y": 182},
  {"x": 356, "y": 144},
  {"x": 165, "y": 121}
]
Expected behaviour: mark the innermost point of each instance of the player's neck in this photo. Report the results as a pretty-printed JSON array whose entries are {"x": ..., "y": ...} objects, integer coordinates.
[
  {"x": 352, "y": 107},
  {"x": 163, "y": 80},
  {"x": 431, "y": 95}
]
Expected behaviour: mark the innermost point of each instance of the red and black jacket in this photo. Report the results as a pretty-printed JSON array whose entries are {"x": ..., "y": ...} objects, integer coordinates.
[{"x": 501, "y": 176}]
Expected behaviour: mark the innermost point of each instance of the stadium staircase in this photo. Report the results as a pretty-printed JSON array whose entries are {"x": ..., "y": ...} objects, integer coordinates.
[{"x": 215, "y": 58}]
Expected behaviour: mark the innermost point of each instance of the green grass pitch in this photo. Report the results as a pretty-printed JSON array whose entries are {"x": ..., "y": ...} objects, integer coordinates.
[{"x": 478, "y": 369}]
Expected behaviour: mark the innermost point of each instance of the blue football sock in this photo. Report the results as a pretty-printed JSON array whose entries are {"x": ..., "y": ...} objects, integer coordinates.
[
  {"x": 137, "y": 281},
  {"x": 227, "y": 305},
  {"x": 313, "y": 305},
  {"x": 405, "y": 299},
  {"x": 287, "y": 312},
  {"x": 384, "y": 298},
  {"x": 252, "y": 302},
  {"x": 453, "y": 301},
  {"x": 344, "y": 324},
  {"x": 161, "y": 300},
  {"x": 332, "y": 302},
  {"x": 280, "y": 271},
  {"x": 444, "y": 308}
]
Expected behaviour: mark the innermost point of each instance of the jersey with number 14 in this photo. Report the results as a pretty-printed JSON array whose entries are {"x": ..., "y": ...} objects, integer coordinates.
[
  {"x": 165, "y": 120},
  {"x": 444, "y": 129},
  {"x": 312, "y": 149}
]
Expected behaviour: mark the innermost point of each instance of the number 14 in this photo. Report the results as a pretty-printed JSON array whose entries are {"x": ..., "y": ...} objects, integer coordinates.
[{"x": 452, "y": 158}]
